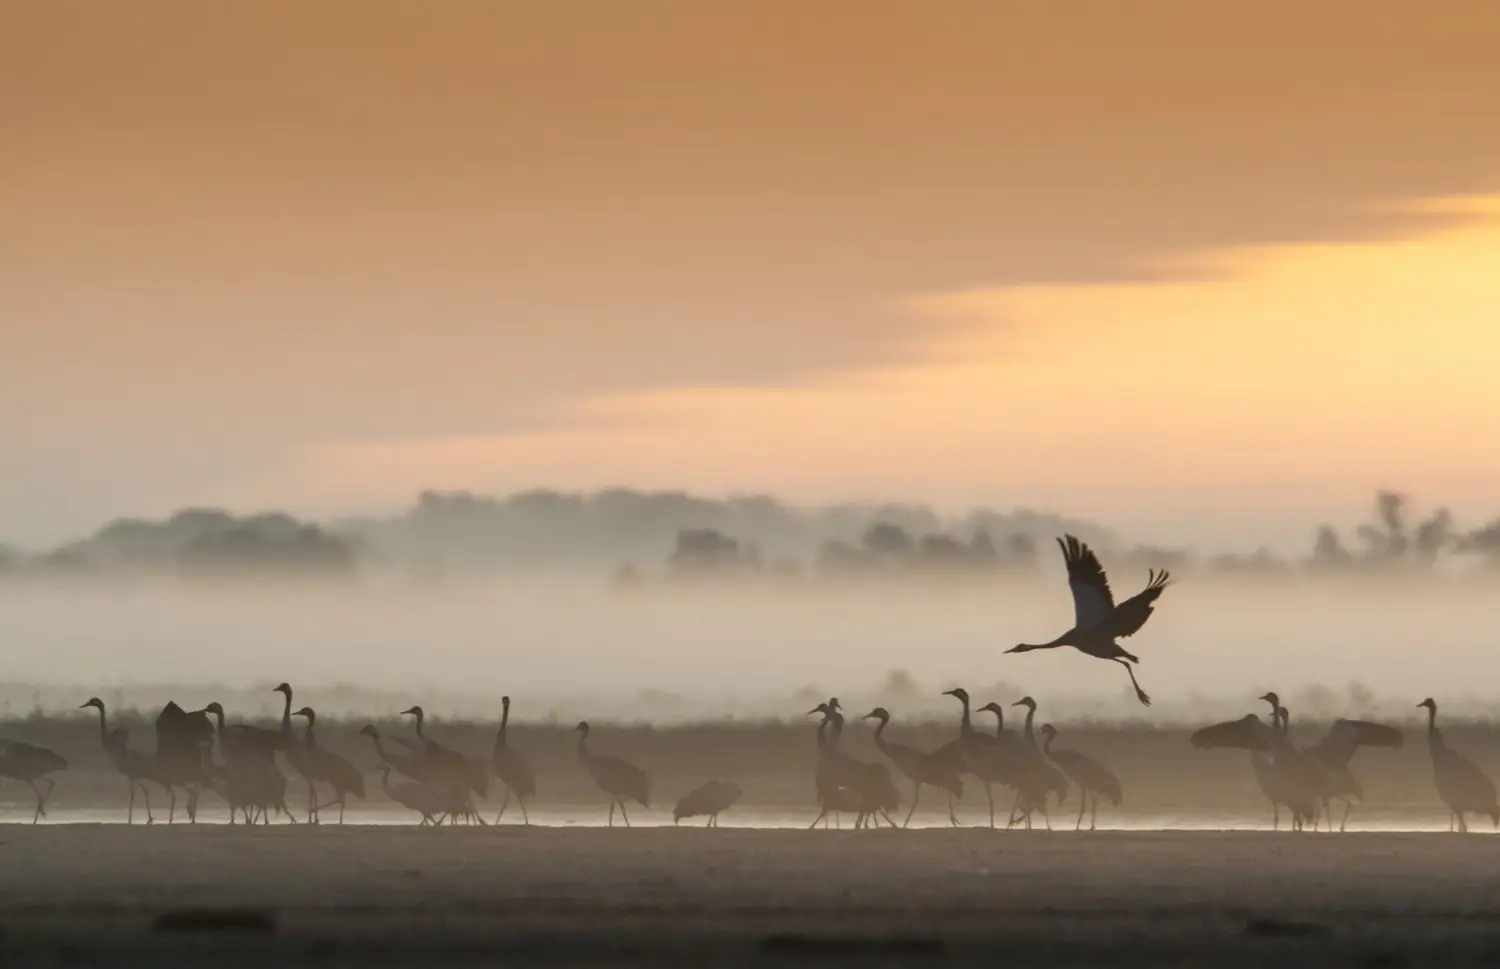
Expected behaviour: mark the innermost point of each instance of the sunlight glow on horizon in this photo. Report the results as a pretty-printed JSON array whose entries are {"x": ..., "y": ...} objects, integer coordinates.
[{"x": 1285, "y": 379}]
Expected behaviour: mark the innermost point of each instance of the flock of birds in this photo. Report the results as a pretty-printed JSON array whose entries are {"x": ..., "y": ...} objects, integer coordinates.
[{"x": 197, "y": 751}]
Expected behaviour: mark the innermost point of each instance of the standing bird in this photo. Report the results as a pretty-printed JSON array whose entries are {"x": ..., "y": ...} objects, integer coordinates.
[
  {"x": 30, "y": 763},
  {"x": 511, "y": 766},
  {"x": 920, "y": 766},
  {"x": 1460, "y": 785},
  {"x": 329, "y": 767},
  {"x": 710, "y": 798},
  {"x": 1097, "y": 621},
  {"x": 846, "y": 780},
  {"x": 618, "y": 778},
  {"x": 429, "y": 803},
  {"x": 1250, "y": 733},
  {"x": 137, "y": 767},
  {"x": 1039, "y": 778},
  {"x": 1092, "y": 777},
  {"x": 184, "y": 742},
  {"x": 448, "y": 769},
  {"x": 1334, "y": 752},
  {"x": 296, "y": 751},
  {"x": 978, "y": 750}
]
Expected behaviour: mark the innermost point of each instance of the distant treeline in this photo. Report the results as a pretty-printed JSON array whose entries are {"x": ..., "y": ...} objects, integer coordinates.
[{"x": 661, "y": 536}]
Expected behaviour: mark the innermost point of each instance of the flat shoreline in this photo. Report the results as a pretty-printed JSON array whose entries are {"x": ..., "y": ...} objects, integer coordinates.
[{"x": 401, "y": 894}]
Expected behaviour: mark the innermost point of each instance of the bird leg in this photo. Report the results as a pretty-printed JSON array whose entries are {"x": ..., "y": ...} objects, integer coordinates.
[
  {"x": 41, "y": 802},
  {"x": 989, "y": 794},
  {"x": 624, "y": 813},
  {"x": 952, "y": 817},
  {"x": 1094, "y": 811},
  {"x": 146, "y": 796},
  {"x": 612, "y": 812},
  {"x": 1083, "y": 799},
  {"x": 130, "y": 815},
  {"x": 503, "y": 805},
  {"x": 1140, "y": 694},
  {"x": 1348, "y": 806},
  {"x": 821, "y": 815},
  {"x": 525, "y": 818},
  {"x": 916, "y": 795}
]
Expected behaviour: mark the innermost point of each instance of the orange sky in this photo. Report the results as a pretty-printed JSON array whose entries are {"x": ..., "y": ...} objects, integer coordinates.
[{"x": 1168, "y": 264}]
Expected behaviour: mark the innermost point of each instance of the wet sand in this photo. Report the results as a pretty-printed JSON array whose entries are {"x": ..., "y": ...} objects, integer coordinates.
[{"x": 374, "y": 896}]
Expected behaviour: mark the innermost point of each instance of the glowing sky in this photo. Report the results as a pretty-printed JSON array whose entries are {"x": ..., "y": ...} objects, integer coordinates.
[{"x": 1175, "y": 266}]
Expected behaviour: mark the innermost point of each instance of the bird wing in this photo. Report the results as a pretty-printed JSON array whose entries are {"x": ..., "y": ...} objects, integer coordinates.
[
  {"x": 1130, "y": 615},
  {"x": 1092, "y": 601},
  {"x": 1337, "y": 746}
]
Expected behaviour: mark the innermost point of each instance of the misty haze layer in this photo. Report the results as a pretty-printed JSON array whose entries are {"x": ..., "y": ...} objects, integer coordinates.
[{"x": 564, "y": 645}]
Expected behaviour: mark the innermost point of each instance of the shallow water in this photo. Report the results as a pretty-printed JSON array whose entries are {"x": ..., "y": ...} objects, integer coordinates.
[{"x": 1377, "y": 818}]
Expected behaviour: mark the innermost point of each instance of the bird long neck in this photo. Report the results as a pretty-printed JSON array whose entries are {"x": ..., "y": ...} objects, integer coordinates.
[
  {"x": 966, "y": 724},
  {"x": 420, "y": 717},
  {"x": 1047, "y": 744},
  {"x": 312, "y": 720},
  {"x": 1432, "y": 722},
  {"x": 583, "y": 749},
  {"x": 504, "y": 720},
  {"x": 1030, "y": 716},
  {"x": 881, "y": 743},
  {"x": 286, "y": 714},
  {"x": 103, "y": 734},
  {"x": 219, "y": 717},
  {"x": 379, "y": 747},
  {"x": 836, "y": 730},
  {"x": 385, "y": 777}
]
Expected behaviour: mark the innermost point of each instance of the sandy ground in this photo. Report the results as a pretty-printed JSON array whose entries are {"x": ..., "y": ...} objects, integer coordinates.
[{"x": 376, "y": 896}]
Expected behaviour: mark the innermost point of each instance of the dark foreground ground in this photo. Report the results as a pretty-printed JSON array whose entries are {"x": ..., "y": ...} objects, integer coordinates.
[{"x": 107, "y": 895}]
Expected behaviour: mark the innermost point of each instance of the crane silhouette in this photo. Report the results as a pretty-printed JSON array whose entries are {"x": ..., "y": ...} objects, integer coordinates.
[
  {"x": 620, "y": 779},
  {"x": 935, "y": 768},
  {"x": 980, "y": 752},
  {"x": 848, "y": 780},
  {"x": 184, "y": 742},
  {"x": 1091, "y": 777},
  {"x": 29, "y": 763},
  {"x": 511, "y": 766},
  {"x": 248, "y": 779},
  {"x": 1098, "y": 622},
  {"x": 1263, "y": 742},
  {"x": 1334, "y": 752},
  {"x": 1039, "y": 778},
  {"x": 295, "y": 750},
  {"x": 432, "y": 805},
  {"x": 452, "y": 770},
  {"x": 710, "y": 798},
  {"x": 137, "y": 767},
  {"x": 1461, "y": 785},
  {"x": 833, "y": 798},
  {"x": 330, "y": 768}
]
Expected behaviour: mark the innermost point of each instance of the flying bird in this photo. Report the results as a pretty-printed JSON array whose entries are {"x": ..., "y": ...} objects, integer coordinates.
[{"x": 1098, "y": 622}]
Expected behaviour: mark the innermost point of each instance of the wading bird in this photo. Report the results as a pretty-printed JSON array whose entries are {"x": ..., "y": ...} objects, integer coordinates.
[
  {"x": 1262, "y": 741},
  {"x": 978, "y": 751},
  {"x": 452, "y": 771},
  {"x": 430, "y": 804},
  {"x": 844, "y": 780},
  {"x": 511, "y": 766},
  {"x": 137, "y": 767},
  {"x": 1097, "y": 621},
  {"x": 29, "y": 763},
  {"x": 1334, "y": 752},
  {"x": 184, "y": 743},
  {"x": 330, "y": 768},
  {"x": 710, "y": 798},
  {"x": 619, "y": 779},
  {"x": 1039, "y": 777},
  {"x": 296, "y": 751},
  {"x": 1461, "y": 785},
  {"x": 938, "y": 768},
  {"x": 1091, "y": 777}
]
